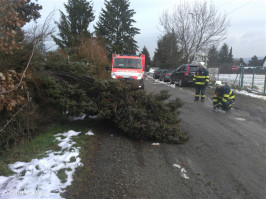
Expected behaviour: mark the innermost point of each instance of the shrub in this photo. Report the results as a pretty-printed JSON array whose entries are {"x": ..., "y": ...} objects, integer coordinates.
[
  {"x": 139, "y": 115},
  {"x": 63, "y": 66},
  {"x": 69, "y": 99}
]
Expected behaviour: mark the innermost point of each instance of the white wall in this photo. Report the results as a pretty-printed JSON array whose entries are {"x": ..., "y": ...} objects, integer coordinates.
[{"x": 212, "y": 73}]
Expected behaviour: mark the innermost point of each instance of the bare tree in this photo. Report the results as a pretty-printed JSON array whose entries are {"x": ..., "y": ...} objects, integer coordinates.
[
  {"x": 10, "y": 97},
  {"x": 197, "y": 26},
  {"x": 35, "y": 35},
  {"x": 40, "y": 33}
]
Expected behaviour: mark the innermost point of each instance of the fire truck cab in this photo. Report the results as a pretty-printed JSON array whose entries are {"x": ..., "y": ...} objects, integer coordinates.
[{"x": 128, "y": 67}]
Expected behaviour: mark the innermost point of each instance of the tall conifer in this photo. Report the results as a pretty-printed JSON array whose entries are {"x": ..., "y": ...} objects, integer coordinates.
[
  {"x": 255, "y": 61},
  {"x": 230, "y": 58},
  {"x": 213, "y": 57},
  {"x": 166, "y": 54},
  {"x": 147, "y": 56},
  {"x": 73, "y": 26},
  {"x": 115, "y": 26},
  {"x": 223, "y": 54}
]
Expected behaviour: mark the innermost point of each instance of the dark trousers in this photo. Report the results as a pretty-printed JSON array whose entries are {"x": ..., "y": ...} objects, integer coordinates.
[
  {"x": 200, "y": 91},
  {"x": 226, "y": 105}
]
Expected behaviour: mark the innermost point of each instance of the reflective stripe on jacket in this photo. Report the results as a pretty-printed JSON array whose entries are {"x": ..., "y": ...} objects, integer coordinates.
[
  {"x": 224, "y": 96},
  {"x": 201, "y": 77}
]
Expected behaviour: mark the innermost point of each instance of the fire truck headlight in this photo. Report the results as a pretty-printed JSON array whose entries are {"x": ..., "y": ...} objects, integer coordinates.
[
  {"x": 140, "y": 76},
  {"x": 113, "y": 75}
]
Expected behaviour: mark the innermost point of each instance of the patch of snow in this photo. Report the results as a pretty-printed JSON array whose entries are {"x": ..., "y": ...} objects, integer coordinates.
[
  {"x": 176, "y": 165},
  {"x": 38, "y": 178},
  {"x": 75, "y": 118},
  {"x": 172, "y": 85},
  {"x": 151, "y": 70},
  {"x": 93, "y": 116},
  {"x": 250, "y": 94},
  {"x": 183, "y": 172},
  {"x": 89, "y": 133},
  {"x": 219, "y": 110},
  {"x": 241, "y": 119}
]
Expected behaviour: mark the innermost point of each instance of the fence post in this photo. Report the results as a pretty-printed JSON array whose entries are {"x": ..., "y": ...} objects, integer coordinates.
[
  {"x": 253, "y": 78},
  {"x": 265, "y": 82},
  {"x": 239, "y": 76},
  {"x": 218, "y": 71},
  {"x": 242, "y": 77}
]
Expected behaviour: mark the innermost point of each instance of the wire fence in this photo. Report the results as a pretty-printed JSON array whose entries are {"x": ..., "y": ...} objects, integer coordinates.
[{"x": 251, "y": 78}]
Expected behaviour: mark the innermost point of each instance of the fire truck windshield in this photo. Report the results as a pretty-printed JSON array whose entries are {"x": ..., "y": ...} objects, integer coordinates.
[{"x": 127, "y": 63}]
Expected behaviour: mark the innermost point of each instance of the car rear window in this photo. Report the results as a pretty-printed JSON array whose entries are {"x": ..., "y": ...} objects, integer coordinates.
[
  {"x": 169, "y": 70},
  {"x": 193, "y": 68}
]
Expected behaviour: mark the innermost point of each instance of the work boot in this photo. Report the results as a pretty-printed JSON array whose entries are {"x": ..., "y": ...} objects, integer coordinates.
[
  {"x": 202, "y": 100},
  {"x": 196, "y": 99}
]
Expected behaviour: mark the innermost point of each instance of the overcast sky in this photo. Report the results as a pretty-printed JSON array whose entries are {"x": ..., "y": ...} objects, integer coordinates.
[{"x": 246, "y": 34}]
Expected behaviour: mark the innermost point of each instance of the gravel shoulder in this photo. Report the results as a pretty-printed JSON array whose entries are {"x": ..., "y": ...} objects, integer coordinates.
[{"x": 224, "y": 158}]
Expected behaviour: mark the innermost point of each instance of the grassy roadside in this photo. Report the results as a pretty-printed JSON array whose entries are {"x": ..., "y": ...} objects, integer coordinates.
[{"x": 44, "y": 142}]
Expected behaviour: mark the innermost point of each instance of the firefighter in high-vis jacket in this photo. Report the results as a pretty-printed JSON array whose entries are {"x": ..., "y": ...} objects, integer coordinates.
[
  {"x": 201, "y": 80},
  {"x": 223, "y": 97}
]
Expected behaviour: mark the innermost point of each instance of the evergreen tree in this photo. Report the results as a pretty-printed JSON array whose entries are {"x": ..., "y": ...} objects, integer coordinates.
[
  {"x": 225, "y": 59},
  {"x": 166, "y": 54},
  {"x": 29, "y": 11},
  {"x": 223, "y": 54},
  {"x": 263, "y": 61},
  {"x": 241, "y": 62},
  {"x": 230, "y": 58},
  {"x": 213, "y": 57},
  {"x": 115, "y": 26},
  {"x": 147, "y": 57},
  {"x": 255, "y": 61},
  {"x": 160, "y": 54},
  {"x": 73, "y": 26}
]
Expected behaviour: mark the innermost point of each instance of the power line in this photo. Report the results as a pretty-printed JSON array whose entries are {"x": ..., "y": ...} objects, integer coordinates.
[
  {"x": 225, "y": 4},
  {"x": 234, "y": 10}
]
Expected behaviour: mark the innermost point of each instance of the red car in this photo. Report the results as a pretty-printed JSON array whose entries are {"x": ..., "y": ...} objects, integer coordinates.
[
  {"x": 165, "y": 75},
  {"x": 157, "y": 73}
]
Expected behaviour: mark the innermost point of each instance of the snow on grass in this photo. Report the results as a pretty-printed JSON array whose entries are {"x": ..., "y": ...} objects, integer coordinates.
[
  {"x": 75, "y": 118},
  {"x": 89, "y": 133},
  {"x": 243, "y": 92},
  {"x": 39, "y": 178},
  {"x": 247, "y": 81},
  {"x": 93, "y": 116}
]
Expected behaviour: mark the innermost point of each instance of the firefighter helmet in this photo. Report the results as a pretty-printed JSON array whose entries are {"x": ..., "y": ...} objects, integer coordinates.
[
  {"x": 218, "y": 83},
  {"x": 202, "y": 64}
]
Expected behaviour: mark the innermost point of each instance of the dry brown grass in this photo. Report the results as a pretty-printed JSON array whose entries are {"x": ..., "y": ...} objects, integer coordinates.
[{"x": 93, "y": 51}]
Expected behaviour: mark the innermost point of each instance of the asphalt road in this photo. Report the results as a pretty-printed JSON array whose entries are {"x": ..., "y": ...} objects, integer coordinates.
[
  {"x": 228, "y": 150},
  {"x": 225, "y": 156}
]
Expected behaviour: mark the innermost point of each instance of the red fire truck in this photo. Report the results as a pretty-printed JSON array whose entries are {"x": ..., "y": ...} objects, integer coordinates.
[{"x": 128, "y": 67}]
